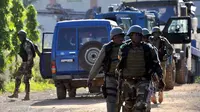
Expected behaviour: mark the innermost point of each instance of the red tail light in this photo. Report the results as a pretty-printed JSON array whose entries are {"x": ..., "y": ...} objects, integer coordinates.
[{"x": 53, "y": 67}]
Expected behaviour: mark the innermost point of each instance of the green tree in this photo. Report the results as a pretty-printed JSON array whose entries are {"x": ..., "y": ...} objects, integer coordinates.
[
  {"x": 32, "y": 24},
  {"x": 18, "y": 20},
  {"x": 5, "y": 37}
]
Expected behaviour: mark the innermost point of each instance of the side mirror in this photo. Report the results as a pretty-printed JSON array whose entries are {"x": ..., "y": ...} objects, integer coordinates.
[{"x": 178, "y": 30}]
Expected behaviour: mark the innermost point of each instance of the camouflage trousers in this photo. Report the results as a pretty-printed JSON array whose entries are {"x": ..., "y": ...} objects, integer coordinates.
[
  {"x": 111, "y": 90},
  {"x": 163, "y": 64},
  {"x": 137, "y": 95},
  {"x": 26, "y": 71}
]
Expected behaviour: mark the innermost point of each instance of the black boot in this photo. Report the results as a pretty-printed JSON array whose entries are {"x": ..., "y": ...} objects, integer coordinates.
[
  {"x": 16, "y": 91},
  {"x": 27, "y": 89},
  {"x": 14, "y": 95}
]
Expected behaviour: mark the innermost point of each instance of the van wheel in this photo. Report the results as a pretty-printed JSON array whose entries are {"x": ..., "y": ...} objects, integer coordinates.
[
  {"x": 61, "y": 91},
  {"x": 88, "y": 54},
  {"x": 170, "y": 76},
  {"x": 181, "y": 72},
  {"x": 72, "y": 92}
]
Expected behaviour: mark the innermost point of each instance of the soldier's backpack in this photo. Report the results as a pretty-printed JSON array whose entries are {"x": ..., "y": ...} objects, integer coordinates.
[{"x": 32, "y": 48}]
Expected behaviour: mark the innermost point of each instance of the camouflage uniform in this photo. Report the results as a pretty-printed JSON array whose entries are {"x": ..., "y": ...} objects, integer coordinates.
[
  {"x": 137, "y": 64},
  {"x": 108, "y": 58},
  {"x": 165, "y": 49},
  {"x": 169, "y": 51},
  {"x": 27, "y": 53}
]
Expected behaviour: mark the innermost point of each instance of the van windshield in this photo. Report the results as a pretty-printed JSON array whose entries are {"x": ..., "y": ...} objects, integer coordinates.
[
  {"x": 87, "y": 34},
  {"x": 66, "y": 39}
]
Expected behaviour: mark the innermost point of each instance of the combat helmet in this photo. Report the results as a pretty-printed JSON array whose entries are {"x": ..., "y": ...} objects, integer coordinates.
[
  {"x": 145, "y": 32},
  {"x": 156, "y": 29},
  {"x": 134, "y": 29},
  {"x": 116, "y": 31},
  {"x": 22, "y": 32}
]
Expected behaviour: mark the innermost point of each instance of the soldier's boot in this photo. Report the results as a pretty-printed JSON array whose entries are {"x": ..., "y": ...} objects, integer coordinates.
[
  {"x": 14, "y": 95},
  {"x": 153, "y": 99},
  {"x": 16, "y": 91},
  {"x": 26, "y": 97},
  {"x": 160, "y": 99},
  {"x": 27, "y": 89}
]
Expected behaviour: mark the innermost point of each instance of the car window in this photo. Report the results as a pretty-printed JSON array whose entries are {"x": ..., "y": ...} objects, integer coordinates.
[
  {"x": 66, "y": 39},
  {"x": 87, "y": 34}
]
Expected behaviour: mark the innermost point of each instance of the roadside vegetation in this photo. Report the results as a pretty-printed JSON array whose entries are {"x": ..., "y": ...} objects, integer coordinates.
[
  {"x": 16, "y": 15},
  {"x": 197, "y": 80}
]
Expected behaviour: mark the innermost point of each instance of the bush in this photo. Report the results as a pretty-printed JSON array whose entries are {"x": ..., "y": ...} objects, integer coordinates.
[{"x": 197, "y": 79}]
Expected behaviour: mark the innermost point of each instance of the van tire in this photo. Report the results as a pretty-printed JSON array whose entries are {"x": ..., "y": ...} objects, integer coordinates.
[
  {"x": 61, "y": 91},
  {"x": 89, "y": 49},
  {"x": 181, "y": 72},
  {"x": 170, "y": 76}
]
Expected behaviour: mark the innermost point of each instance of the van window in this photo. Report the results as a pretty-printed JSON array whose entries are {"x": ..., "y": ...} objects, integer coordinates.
[
  {"x": 66, "y": 39},
  {"x": 87, "y": 34}
]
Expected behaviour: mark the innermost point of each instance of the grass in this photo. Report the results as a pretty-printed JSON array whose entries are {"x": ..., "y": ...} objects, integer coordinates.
[
  {"x": 35, "y": 86},
  {"x": 197, "y": 79}
]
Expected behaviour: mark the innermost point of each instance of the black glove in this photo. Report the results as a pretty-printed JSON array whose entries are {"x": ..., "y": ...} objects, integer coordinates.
[{"x": 161, "y": 85}]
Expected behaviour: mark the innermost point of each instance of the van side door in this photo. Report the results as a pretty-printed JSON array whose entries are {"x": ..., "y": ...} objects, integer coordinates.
[{"x": 45, "y": 59}]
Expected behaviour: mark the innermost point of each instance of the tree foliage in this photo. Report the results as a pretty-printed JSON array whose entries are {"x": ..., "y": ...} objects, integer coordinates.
[
  {"x": 18, "y": 20},
  {"x": 32, "y": 24},
  {"x": 5, "y": 27},
  {"x": 5, "y": 40}
]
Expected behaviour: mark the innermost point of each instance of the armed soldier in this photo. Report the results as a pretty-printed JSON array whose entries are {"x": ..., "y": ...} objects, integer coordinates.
[
  {"x": 146, "y": 34},
  {"x": 165, "y": 50},
  {"x": 138, "y": 60},
  {"x": 108, "y": 59},
  {"x": 27, "y": 53}
]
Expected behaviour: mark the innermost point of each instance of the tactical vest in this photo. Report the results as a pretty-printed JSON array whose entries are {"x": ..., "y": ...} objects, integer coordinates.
[
  {"x": 162, "y": 50},
  {"x": 23, "y": 54},
  {"x": 135, "y": 63},
  {"x": 114, "y": 59},
  {"x": 110, "y": 61}
]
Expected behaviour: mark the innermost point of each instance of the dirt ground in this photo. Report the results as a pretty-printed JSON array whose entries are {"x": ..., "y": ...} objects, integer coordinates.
[{"x": 184, "y": 98}]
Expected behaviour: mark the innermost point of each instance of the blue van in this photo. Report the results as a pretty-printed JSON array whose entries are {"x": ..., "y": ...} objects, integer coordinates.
[{"x": 69, "y": 53}]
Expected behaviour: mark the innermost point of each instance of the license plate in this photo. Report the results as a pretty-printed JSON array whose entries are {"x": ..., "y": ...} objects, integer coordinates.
[{"x": 67, "y": 60}]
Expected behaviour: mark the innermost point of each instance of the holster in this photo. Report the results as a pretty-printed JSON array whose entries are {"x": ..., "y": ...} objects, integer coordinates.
[{"x": 103, "y": 87}]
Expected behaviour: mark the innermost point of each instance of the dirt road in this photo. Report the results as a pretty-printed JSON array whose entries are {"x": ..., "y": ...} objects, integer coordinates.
[{"x": 184, "y": 98}]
